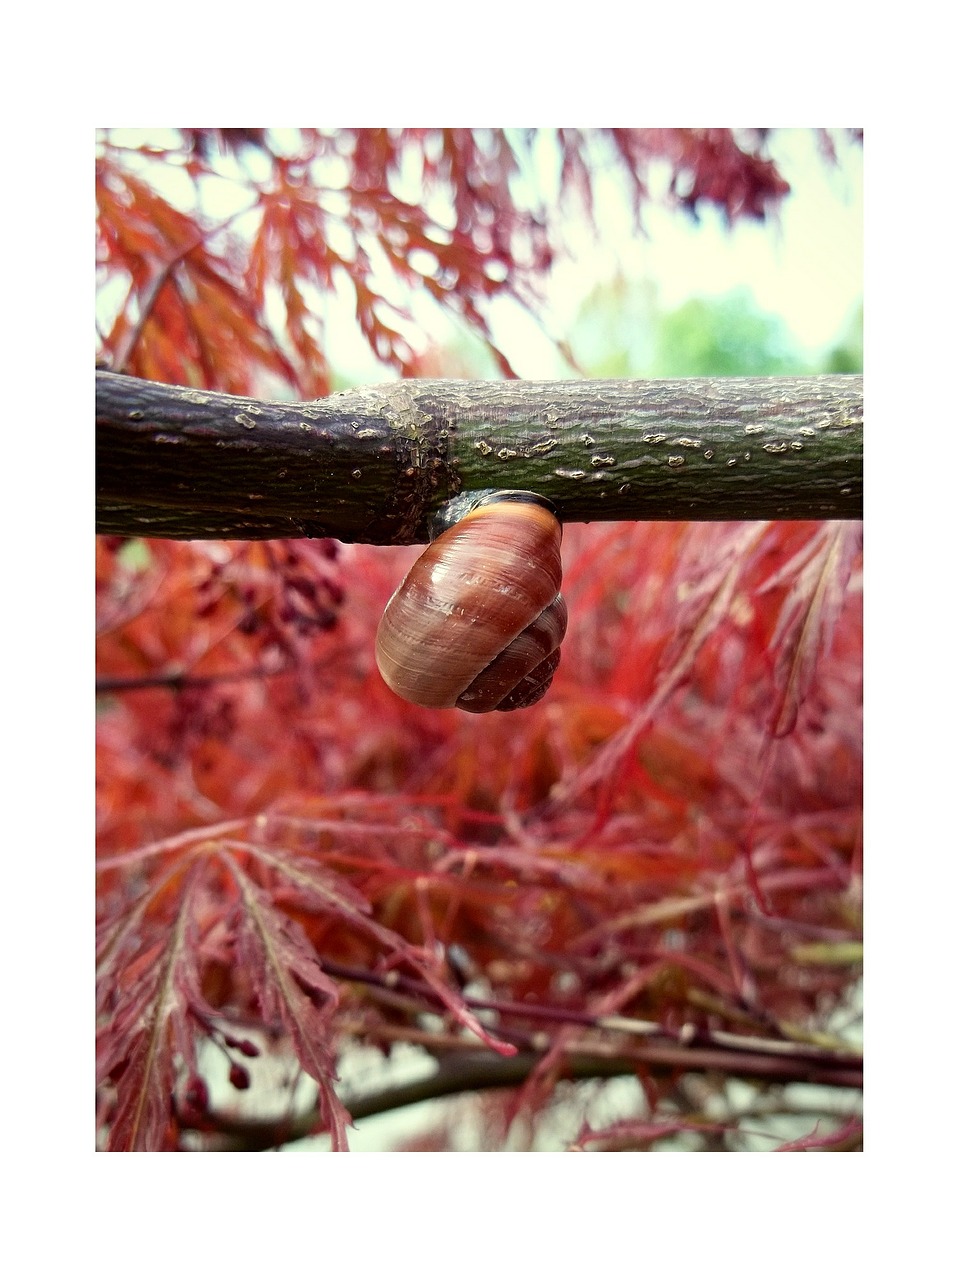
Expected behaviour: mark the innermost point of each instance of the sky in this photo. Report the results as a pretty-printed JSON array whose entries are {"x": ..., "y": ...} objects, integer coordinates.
[{"x": 808, "y": 269}]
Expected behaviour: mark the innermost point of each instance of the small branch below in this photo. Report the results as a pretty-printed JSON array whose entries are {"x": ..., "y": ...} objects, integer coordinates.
[
  {"x": 177, "y": 680},
  {"x": 468, "y": 1071}
]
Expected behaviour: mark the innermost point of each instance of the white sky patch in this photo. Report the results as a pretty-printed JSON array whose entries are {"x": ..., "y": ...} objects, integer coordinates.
[{"x": 806, "y": 266}]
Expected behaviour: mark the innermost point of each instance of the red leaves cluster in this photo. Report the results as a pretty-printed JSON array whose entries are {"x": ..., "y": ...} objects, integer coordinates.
[
  {"x": 217, "y": 915},
  {"x": 711, "y": 166},
  {"x": 237, "y": 304},
  {"x": 676, "y": 876},
  {"x": 155, "y": 1007}
]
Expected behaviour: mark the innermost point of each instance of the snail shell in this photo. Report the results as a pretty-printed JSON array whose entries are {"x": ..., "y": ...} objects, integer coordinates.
[{"x": 478, "y": 620}]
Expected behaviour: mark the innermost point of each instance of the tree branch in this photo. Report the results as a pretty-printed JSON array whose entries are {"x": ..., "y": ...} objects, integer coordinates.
[
  {"x": 468, "y": 1071},
  {"x": 625, "y": 1047},
  {"x": 177, "y": 680},
  {"x": 373, "y": 464}
]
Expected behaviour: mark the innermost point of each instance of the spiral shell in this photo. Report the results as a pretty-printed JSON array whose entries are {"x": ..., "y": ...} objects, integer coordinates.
[{"x": 477, "y": 622}]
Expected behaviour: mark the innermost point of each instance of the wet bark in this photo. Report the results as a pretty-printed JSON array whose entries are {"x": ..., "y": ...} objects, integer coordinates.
[{"x": 376, "y": 463}]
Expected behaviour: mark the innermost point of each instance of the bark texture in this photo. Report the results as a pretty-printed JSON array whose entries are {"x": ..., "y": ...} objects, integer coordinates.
[{"x": 375, "y": 464}]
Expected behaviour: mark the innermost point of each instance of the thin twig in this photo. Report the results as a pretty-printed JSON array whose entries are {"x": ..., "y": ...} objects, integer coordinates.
[
  {"x": 154, "y": 289},
  {"x": 178, "y": 680},
  {"x": 149, "y": 301},
  {"x": 471, "y": 1071},
  {"x": 687, "y": 1035}
]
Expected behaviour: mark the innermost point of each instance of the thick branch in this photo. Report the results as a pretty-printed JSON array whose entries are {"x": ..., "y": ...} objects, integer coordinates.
[{"x": 373, "y": 464}]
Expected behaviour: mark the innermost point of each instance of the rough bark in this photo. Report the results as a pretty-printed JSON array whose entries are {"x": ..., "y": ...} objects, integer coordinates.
[{"x": 374, "y": 464}]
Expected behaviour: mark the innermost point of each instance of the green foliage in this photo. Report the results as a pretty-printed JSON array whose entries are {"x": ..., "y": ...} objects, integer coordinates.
[
  {"x": 615, "y": 334},
  {"x": 724, "y": 337},
  {"x": 623, "y": 332},
  {"x": 847, "y": 355}
]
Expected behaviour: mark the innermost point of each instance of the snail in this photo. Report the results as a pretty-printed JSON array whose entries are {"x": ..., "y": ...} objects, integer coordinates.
[{"x": 477, "y": 622}]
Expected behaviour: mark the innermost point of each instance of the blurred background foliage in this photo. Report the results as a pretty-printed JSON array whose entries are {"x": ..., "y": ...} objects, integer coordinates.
[{"x": 623, "y": 331}]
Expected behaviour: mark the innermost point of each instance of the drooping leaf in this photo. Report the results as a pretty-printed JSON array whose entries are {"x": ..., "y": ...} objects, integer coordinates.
[
  {"x": 292, "y": 990},
  {"x": 319, "y": 889},
  {"x": 148, "y": 1027},
  {"x": 818, "y": 578}
]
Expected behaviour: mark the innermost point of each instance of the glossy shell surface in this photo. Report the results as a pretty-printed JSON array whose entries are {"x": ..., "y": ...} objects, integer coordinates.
[{"x": 478, "y": 620}]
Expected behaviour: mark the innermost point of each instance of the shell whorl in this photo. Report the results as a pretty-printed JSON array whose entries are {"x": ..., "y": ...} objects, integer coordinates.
[{"x": 478, "y": 620}]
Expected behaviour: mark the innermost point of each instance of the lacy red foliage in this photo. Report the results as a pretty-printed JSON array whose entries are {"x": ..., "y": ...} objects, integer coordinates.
[
  {"x": 291, "y": 861},
  {"x": 308, "y": 823},
  {"x": 325, "y": 209},
  {"x": 711, "y": 167}
]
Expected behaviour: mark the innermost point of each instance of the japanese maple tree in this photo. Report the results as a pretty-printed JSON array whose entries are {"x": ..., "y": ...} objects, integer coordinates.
[{"x": 654, "y": 873}]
